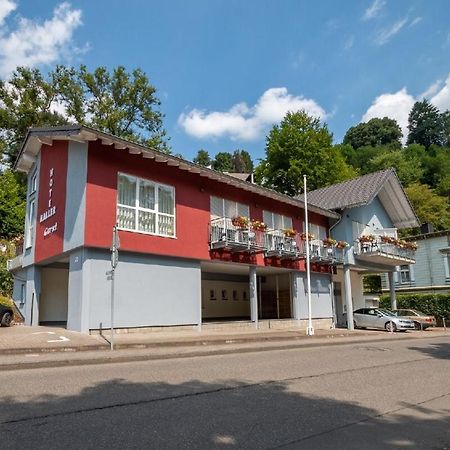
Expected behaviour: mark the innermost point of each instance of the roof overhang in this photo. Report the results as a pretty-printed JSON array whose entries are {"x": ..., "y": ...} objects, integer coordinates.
[
  {"x": 396, "y": 203},
  {"x": 36, "y": 137}
]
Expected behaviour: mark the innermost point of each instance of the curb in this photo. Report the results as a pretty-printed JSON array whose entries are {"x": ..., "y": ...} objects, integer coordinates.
[
  {"x": 116, "y": 359},
  {"x": 170, "y": 344}
]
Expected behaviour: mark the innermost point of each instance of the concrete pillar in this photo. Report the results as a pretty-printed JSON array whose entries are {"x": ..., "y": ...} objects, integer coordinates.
[
  {"x": 295, "y": 295},
  {"x": 392, "y": 290},
  {"x": 253, "y": 296},
  {"x": 32, "y": 293},
  {"x": 78, "y": 292},
  {"x": 348, "y": 297}
]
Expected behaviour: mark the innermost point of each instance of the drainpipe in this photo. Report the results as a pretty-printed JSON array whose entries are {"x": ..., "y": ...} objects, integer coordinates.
[{"x": 278, "y": 297}]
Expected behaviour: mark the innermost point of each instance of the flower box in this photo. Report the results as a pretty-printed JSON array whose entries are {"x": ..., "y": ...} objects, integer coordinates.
[
  {"x": 303, "y": 236},
  {"x": 289, "y": 232},
  {"x": 341, "y": 245},
  {"x": 329, "y": 242},
  {"x": 367, "y": 238},
  {"x": 258, "y": 225},
  {"x": 240, "y": 222}
]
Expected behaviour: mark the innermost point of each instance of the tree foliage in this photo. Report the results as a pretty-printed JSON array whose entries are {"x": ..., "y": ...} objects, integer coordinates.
[
  {"x": 202, "y": 158},
  {"x": 376, "y": 132},
  {"x": 223, "y": 162},
  {"x": 425, "y": 125},
  {"x": 429, "y": 206},
  {"x": 301, "y": 145},
  {"x": 116, "y": 102},
  {"x": 242, "y": 161},
  {"x": 12, "y": 205}
]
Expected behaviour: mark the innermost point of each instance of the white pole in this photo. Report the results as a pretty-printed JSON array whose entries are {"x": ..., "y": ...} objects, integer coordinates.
[{"x": 310, "y": 329}]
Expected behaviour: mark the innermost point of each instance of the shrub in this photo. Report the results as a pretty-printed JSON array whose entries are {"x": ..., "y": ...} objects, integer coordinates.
[
  {"x": 436, "y": 304},
  {"x": 6, "y": 301}
]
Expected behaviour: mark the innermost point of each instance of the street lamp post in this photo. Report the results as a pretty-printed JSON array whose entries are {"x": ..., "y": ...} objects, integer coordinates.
[
  {"x": 114, "y": 261},
  {"x": 310, "y": 328}
]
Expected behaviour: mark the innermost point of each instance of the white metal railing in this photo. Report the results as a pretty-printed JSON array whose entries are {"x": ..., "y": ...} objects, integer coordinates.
[
  {"x": 222, "y": 233},
  {"x": 322, "y": 252},
  {"x": 277, "y": 243},
  {"x": 378, "y": 246}
]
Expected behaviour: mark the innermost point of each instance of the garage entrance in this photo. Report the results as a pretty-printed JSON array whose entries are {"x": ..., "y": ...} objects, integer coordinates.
[{"x": 53, "y": 299}]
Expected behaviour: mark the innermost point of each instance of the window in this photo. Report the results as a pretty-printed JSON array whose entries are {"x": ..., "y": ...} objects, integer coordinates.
[
  {"x": 33, "y": 183},
  {"x": 221, "y": 207},
  {"x": 405, "y": 276},
  {"x": 318, "y": 231},
  {"x": 276, "y": 221},
  {"x": 30, "y": 223},
  {"x": 145, "y": 206}
]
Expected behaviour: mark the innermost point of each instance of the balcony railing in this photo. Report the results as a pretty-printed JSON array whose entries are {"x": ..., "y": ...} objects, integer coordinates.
[
  {"x": 382, "y": 252},
  {"x": 288, "y": 247},
  {"x": 224, "y": 235}
]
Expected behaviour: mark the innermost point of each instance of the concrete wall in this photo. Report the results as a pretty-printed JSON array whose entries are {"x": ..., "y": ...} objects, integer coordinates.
[
  {"x": 321, "y": 301},
  {"x": 28, "y": 253},
  {"x": 75, "y": 208},
  {"x": 19, "y": 293},
  {"x": 54, "y": 294},
  {"x": 149, "y": 291},
  {"x": 372, "y": 215}
]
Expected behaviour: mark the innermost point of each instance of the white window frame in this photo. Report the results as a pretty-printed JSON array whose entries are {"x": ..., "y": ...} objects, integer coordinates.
[
  {"x": 447, "y": 266},
  {"x": 404, "y": 273},
  {"x": 138, "y": 208},
  {"x": 314, "y": 229},
  {"x": 224, "y": 208},
  {"x": 283, "y": 220},
  {"x": 31, "y": 217},
  {"x": 33, "y": 183}
]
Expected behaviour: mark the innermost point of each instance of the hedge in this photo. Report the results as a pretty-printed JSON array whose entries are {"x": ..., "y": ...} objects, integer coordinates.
[{"x": 437, "y": 305}]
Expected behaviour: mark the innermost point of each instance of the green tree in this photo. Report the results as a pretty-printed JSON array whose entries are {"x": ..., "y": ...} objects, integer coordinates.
[
  {"x": 26, "y": 100},
  {"x": 409, "y": 169},
  {"x": 301, "y": 145},
  {"x": 120, "y": 103},
  {"x": 12, "y": 205},
  {"x": 203, "y": 158},
  {"x": 376, "y": 132},
  {"x": 425, "y": 125},
  {"x": 429, "y": 206},
  {"x": 242, "y": 161},
  {"x": 360, "y": 158},
  {"x": 223, "y": 162}
]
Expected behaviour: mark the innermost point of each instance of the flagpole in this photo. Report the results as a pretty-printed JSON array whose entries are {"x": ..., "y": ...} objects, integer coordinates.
[{"x": 310, "y": 328}]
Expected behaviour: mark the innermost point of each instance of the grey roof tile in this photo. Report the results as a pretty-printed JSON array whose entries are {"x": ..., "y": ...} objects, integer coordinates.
[{"x": 350, "y": 193}]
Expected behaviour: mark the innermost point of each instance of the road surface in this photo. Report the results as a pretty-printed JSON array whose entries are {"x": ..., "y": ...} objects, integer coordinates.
[{"x": 394, "y": 394}]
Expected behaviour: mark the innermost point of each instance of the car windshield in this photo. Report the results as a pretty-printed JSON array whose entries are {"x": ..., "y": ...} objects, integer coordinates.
[{"x": 386, "y": 312}]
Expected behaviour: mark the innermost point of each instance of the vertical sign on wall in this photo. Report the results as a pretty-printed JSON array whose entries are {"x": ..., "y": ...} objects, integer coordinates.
[{"x": 51, "y": 209}]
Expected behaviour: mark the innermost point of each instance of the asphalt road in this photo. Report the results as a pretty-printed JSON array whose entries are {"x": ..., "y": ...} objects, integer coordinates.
[{"x": 394, "y": 394}]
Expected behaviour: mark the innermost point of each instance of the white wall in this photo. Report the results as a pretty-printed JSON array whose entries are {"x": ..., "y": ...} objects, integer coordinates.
[
  {"x": 54, "y": 294},
  {"x": 225, "y": 308}
]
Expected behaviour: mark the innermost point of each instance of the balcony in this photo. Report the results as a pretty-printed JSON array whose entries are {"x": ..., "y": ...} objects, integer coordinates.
[
  {"x": 325, "y": 254},
  {"x": 224, "y": 235},
  {"x": 284, "y": 247},
  {"x": 14, "y": 263},
  {"x": 386, "y": 250}
]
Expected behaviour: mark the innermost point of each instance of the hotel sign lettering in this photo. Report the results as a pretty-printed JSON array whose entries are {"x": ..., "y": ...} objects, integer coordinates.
[{"x": 51, "y": 209}]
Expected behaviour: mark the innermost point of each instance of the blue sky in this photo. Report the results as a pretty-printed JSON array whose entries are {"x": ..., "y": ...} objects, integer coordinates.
[{"x": 226, "y": 71}]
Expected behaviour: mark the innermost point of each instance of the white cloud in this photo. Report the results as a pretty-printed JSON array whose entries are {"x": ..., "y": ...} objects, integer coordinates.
[
  {"x": 441, "y": 99},
  {"x": 385, "y": 35},
  {"x": 415, "y": 21},
  {"x": 349, "y": 43},
  {"x": 32, "y": 43},
  {"x": 244, "y": 122},
  {"x": 373, "y": 10},
  {"x": 431, "y": 90},
  {"x": 6, "y": 8},
  {"x": 395, "y": 106}
]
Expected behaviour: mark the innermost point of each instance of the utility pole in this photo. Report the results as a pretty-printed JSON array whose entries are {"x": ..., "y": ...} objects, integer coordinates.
[
  {"x": 114, "y": 261},
  {"x": 310, "y": 329}
]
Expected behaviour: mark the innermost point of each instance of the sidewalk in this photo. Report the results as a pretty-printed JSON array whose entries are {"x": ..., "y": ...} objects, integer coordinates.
[{"x": 32, "y": 347}]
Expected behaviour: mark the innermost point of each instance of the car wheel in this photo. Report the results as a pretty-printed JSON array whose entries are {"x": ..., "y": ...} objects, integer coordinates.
[
  {"x": 417, "y": 326},
  {"x": 7, "y": 319},
  {"x": 390, "y": 326}
]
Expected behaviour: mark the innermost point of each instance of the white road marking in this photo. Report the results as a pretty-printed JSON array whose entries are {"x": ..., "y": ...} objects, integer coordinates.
[{"x": 61, "y": 339}]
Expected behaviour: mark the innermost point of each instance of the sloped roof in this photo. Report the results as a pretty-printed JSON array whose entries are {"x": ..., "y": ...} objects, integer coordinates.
[
  {"x": 351, "y": 193},
  {"x": 81, "y": 133},
  {"x": 362, "y": 190}
]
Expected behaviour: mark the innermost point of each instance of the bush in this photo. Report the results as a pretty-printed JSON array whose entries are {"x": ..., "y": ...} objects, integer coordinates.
[
  {"x": 5, "y": 301},
  {"x": 437, "y": 305}
]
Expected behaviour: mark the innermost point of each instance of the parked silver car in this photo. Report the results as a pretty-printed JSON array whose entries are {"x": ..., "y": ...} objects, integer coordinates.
[{"x": 382, "y": 319}]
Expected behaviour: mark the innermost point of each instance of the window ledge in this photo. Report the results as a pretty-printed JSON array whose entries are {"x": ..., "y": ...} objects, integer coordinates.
[{"x": 147, "y": 234}]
